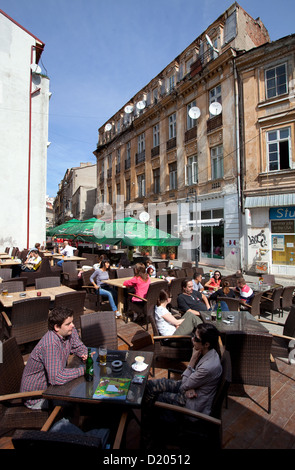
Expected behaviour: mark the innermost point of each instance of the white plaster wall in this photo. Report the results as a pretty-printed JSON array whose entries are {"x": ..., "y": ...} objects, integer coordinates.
[{"x": 15, "y": 60}]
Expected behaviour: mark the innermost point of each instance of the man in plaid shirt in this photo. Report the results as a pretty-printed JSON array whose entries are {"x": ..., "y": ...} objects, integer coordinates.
[{"x": 47, "y": 362}]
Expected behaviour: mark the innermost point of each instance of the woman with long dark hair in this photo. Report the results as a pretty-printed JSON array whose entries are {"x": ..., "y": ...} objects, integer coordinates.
[{"x": 97, "y": 279}]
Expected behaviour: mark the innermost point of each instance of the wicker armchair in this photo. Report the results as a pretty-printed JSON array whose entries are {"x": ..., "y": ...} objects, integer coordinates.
[
  {"x": 93, "y": 300},
  {"x": 272, "y": 304},
  {"x": 5, "y": 273},
  {"x": 254, "y": 305},
  {"x": 233, "y": 304},
  {"x": 175, "y": 289},
  {"x": 250, "y": 357},
  {"x": 73, "y": 300},
  {"x": 44, "y": 282},
  {"x": 180, "y": 273},
  {"x": 176, "y": 347},
  {"x": 101, "y": 328},
  {"x": 283, "y": 345},
  {"x": 145, "y": 308},
  {"x": 69, "y": 275},
  {"x": 14, "y": 284},
  {"x": 43, "y": 271},
  {"x": 187, "y": 429},
  {"x": 189, "y": 273},
  {"x": 287, "y": 298},
  {"x": 125, "y": 272},
  {"x": 28, "y": 319},
  {"x": 13, "y": 413}
]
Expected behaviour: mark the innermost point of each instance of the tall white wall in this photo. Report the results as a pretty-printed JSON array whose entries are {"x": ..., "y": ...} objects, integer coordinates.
[{"x": 15, "y": 76}]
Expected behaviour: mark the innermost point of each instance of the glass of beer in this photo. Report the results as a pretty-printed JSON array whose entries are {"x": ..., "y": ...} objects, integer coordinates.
[
  {"x": 102, "y": 352},
  {"x": 5, "y": 292}
]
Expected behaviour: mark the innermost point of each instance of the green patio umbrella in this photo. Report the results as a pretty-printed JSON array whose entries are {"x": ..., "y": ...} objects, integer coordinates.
[
  {"x": 134, "y": 232},
  {"x": 94, "y": 230},
  {"x": 64, "y": 230}
]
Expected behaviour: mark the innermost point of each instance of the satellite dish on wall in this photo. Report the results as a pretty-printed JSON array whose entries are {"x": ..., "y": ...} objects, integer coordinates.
[
  {"x": 128, "y": 109},
  {"x": 140, "y": 105},
  {"x": 215, "y": 108},
  {"x": 35, "y": 68},
  {"x": 144, "y": 216},
  {"x": 208, "y": 39},
  {"x": 108, "y": 127},
  {"x": 194, "y": 112}
]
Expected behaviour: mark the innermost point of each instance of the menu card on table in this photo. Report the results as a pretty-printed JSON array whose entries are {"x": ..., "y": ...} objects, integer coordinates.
[{"x": 110, "y": 387}]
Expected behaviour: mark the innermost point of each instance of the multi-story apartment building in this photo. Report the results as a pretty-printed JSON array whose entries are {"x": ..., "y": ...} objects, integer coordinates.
[
  {"x": 176, "y": 143},
  {"x": 24, "y": 100},
  {"x": 76, "y": 196},
  {"x": 267, "y": 78}
]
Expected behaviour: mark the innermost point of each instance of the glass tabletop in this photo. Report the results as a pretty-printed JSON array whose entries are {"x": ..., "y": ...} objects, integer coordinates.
[
  {"x": 241, "y": 322},
  {"x": 79, "y": 390}
]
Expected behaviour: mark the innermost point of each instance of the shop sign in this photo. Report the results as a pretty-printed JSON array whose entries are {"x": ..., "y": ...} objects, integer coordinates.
[{"x": 282, "y": 213}]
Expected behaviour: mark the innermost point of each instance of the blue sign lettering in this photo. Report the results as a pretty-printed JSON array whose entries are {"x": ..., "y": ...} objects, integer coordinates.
[{"x": 282, "y": 213}]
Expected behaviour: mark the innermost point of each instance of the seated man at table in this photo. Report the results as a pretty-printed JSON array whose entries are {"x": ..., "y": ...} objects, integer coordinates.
[
  {"x": 67, "y": 250},
  {"x": 48, "y": 360},
  {"x": 246, "y": 293},
  {"x": 197, "y": 388},
  {"x": 190, "y": 299}
]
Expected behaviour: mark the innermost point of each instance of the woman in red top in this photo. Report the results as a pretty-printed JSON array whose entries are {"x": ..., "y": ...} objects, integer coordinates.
[
  {"x": 141, "y": 282},
  {"x": 215, "y": 281}
]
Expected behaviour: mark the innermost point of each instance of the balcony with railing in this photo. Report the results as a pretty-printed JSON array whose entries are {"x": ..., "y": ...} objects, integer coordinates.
[
  {"x": 155, "y": 151},
  {"x": 171, "y": 143},
  {"x": 214, "y": 122},
  {"x": 190, "y": 134},
  {"x": 139, "y": 157}
]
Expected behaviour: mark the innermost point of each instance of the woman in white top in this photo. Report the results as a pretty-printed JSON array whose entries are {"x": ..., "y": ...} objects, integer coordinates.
[{"x": 167, "y": 324}]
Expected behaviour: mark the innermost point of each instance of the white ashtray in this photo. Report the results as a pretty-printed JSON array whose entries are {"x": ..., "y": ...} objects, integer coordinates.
[{"x": 139, "y": 367}]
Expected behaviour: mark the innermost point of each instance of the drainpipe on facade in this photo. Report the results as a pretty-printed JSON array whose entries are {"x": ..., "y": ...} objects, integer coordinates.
[{"x": 241, "y": 235}]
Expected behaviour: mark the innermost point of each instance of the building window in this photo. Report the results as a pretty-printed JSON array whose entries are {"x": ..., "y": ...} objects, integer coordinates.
[
  {"x": 155, "y": 95},
  {"x": 171, "y": 83},
  {"x": 128, "y": 156},
  {"x": 141, "y": 143},
  {"x": 217, "y": 162},
  {"x": 215, "y": 95},
  {"x": 141, "y": 185},
  {"x": 172, "y": 126},
  {"x": 128, "y": 190},
  {"x": 192, "y": 170},
  {"x": 156, "y": 135},
  {"x": 173, "y": 176},
  {"x": 279, "y": 149},
  {"x": 276, "y": 81},
  {"x": 190, "y": 123},
  {"x": 156, "y": 178}
]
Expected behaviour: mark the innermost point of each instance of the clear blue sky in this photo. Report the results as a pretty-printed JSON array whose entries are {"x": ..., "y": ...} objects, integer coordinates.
[{"x": 99, "y": 53}]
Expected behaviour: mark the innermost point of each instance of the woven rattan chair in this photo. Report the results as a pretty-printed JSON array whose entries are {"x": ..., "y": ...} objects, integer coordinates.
[
  {"x": 13, "y": 413},
  {"x": 272, "y": 304},
  {"x": 125, "y": 272},
  {"x": 145, "y": 307},
  {"x": 73, "y": 300},
  {"x": 174, "y": 290},
  {"x": 28, "y": 319},
  {"x": 283, "y": 344},
  {"x": 187, "y": 264},
  {"x": 69, "y": 275},
  {"x": 189, "y": 273},
  {"x": 254, "y": 305},
  {"x": 176, "y": 347},
  {"x": 14, "y": 285},
  {"x": 180, "y": 273},
  {"x": 43, "y": 271},
  {"x": 5, "y": 273},
  {"x": 44, "y": 282},
  {"x": 182, "y": 428},
  {"x": 233, "y": 304},
  {"x": 287, "y": 298},
  {"x": 101, "y": 328},
  {"x": 198, "y": 270},
  {"x": 93, "y": 300},
  {"x": 250, "y": 357}
]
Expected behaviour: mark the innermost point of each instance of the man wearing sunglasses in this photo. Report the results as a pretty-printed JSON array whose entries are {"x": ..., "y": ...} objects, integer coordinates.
[{"x": 198, "y": 385}]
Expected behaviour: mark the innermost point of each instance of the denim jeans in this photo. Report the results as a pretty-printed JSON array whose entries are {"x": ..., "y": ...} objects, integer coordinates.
[{"x": 109, "y": 294}]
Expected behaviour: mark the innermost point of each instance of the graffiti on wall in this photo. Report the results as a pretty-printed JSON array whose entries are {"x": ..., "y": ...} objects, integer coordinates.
[{"x": 259, "y": 239}]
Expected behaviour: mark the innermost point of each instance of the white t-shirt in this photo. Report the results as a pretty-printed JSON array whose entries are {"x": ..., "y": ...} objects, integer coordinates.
[
  {"x": 165, "y": 328},
  {"x": 68, "y": 251}
]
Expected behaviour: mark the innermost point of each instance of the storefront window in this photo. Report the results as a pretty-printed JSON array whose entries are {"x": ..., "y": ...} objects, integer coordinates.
[
  {"x": 283, "y": 242},
  {"x": 212, "y": 234}
]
